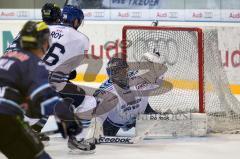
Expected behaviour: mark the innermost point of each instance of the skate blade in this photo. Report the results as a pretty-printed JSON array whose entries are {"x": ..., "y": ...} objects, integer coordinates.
[{"x": 78, "y": 152}]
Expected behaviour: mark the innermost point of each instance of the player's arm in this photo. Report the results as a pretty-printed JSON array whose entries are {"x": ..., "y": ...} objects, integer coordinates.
[
  {"x": 92, "y": 106},
  {"x": 156, "y": 70},
  {"x": 106, "y": 101},
  {"x": 43, "y": 100}
]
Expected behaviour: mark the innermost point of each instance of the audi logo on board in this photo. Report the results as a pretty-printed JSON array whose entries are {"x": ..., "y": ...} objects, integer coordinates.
[{"x": 98, "y": 14}]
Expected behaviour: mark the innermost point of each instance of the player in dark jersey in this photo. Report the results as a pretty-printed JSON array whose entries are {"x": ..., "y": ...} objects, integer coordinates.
[
  {"x": 51, "y": 14},
  {"x": 24, "y": 78}
]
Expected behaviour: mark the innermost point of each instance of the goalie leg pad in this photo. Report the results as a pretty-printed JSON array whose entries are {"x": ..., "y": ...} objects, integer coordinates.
[{"x": 109, "y": 129}]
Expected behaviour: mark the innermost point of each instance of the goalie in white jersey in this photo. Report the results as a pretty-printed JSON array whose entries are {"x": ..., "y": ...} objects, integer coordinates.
[{"x": 132, "y": 89}]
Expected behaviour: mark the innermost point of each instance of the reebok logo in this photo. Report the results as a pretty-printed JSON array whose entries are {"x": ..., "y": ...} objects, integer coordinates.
[{"x": 124, "y": 140}]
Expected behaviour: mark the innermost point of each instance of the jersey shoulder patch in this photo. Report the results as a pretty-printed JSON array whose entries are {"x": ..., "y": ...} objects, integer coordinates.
[
  {"x": 107, "y": 86},
  {"x": 17, "y": 55}
]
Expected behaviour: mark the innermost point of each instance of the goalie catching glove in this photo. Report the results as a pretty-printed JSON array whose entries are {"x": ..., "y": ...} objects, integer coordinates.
[{"x": 153, "y": 57}]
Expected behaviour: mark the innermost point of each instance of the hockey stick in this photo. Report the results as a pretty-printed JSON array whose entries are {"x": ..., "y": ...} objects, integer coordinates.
[
  {"x": 126, "y": 140},
  {"x": 139, "y": 138},
  {"x": 115, "y": 140}
]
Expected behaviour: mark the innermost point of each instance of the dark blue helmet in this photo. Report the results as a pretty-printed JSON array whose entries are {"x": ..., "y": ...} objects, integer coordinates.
[
  {"x": 51, "y": 13},
  {"x": 70, "y": 13}
]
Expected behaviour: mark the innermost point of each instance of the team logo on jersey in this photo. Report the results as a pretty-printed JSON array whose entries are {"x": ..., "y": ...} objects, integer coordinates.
[{"x": 18, "y": 55}]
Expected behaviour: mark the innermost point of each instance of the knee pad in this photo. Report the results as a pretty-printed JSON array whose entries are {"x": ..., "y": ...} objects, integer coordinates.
[{"x": 109, "y": 129}]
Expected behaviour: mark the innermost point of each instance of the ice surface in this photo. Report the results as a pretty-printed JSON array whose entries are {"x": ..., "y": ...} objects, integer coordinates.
[
  {"x": 212, "y": 147},
  {"x": 217, "y": 146}
]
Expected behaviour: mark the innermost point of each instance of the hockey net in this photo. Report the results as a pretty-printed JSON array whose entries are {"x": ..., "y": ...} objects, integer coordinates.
[{"x": 194, "y": 69}]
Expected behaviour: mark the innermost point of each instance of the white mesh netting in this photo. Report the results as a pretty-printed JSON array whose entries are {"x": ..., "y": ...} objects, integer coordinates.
[{"x": 180, "y": 49}]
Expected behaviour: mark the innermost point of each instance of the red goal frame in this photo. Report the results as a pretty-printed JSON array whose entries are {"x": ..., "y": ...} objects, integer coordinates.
[{"x": 200, "y": 52}]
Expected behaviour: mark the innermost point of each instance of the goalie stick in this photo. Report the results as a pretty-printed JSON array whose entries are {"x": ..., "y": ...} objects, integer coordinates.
[
  {"x": 125, "y": 140},
  {"x": 195, "y": 124},
  {"x": 139, "y": 138},
  {"x": 114, "y": 140}
]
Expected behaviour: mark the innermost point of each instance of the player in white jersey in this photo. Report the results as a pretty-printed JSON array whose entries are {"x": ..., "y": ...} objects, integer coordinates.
[
  {"x": 68, "y": 46},
  {"x": 66, "y": 53},
  {"x": 132, "y": 90}
]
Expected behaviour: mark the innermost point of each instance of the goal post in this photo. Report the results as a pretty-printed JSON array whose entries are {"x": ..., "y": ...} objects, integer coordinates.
[{"x": 195, "y": 70}]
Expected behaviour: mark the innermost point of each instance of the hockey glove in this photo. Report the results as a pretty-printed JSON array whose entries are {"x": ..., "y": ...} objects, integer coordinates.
[
  {"x": 72, "y": 75},
  {"x": 153, "y": 57}
]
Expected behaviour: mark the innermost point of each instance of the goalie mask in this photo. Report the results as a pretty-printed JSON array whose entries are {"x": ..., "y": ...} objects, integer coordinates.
[{"x": 117, "y": 70}]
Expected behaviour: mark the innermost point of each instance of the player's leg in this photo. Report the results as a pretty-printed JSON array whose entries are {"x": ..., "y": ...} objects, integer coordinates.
[
  {"x": 149, "y": 110},
  {"x": 37, "y": 127},
  {"x": 18, "y": 141},
  {"x": 70, "y": 91},
  {"x": 109, "y": 129},
  {"x": 83, "y": 141}
]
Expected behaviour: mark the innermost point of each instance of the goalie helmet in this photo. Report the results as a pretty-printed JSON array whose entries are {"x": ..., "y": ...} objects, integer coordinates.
[
  {"x": 34, "y": 34},
  {"x": 117, "y": 70},
  {"x": 51, "y": 13}
]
